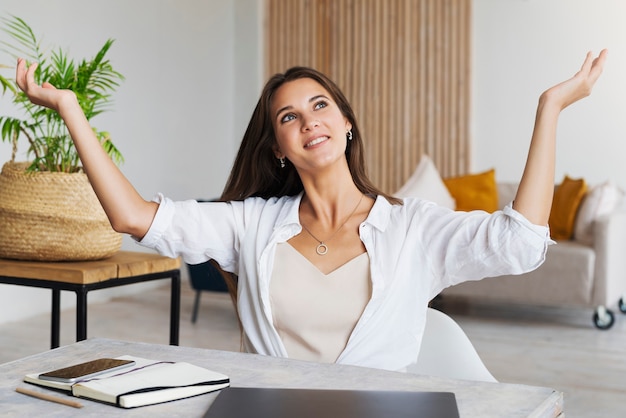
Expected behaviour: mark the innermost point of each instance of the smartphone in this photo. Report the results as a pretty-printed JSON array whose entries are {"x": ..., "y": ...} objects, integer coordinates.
[{"x": 86, "y": 370}]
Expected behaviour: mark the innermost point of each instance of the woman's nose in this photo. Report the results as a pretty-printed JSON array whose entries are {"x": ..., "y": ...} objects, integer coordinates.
[{"x": 310, "y": 122}]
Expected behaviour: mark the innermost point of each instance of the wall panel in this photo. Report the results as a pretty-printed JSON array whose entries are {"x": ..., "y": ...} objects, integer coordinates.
[{"x": 403, "y": 64}]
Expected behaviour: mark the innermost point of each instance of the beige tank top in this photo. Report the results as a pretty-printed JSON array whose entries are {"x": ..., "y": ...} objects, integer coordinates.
[{"x": 315, "y": 313}]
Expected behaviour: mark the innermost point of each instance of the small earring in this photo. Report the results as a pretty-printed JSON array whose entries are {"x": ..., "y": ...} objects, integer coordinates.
[
  {"x": 282, "y": 162},
  {"x": 349, "y": 135}
]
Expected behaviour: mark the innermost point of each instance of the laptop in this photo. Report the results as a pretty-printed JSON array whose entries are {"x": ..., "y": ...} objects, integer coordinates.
[{"x": 238, "y": 402}]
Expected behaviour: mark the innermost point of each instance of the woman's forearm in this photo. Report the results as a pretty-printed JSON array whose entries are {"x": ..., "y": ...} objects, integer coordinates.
[
  {"x": 127, "y": 211},
  {"x": 536, "y": 188}
]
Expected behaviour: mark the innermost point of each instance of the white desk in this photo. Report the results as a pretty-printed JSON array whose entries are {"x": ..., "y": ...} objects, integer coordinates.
[{"x": 474, "y": 399}]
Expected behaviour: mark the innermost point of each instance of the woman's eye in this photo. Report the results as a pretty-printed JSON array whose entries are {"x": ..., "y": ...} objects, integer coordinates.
[
  {"x": 287, "y": 117},
  {"x": 320, "y": 105}
]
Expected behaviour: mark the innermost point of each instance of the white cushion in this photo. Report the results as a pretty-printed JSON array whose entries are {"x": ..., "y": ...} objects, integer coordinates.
[
  {"x": 426, "y": 183},
  {"x": 601, "y": 200}
]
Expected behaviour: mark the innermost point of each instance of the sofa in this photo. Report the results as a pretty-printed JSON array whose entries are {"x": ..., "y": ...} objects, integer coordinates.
[
  {"x": 585, "y": 271},
  {"x": 586, "y": 268}
]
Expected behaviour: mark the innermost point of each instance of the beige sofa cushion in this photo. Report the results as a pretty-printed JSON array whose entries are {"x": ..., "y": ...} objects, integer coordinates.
[
  {"x": 600, "y": 201},
  {"x": 506, "y": 193},
  {"x": 426, "y": 183}
]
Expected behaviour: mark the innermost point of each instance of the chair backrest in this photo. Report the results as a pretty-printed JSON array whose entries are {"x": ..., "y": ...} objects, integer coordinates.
[
  {"x": 447, "y": 351},
  {"x": 205, "y": 276}
]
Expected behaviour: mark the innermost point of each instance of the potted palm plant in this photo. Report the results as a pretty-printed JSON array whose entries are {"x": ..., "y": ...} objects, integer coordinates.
[{"x": 48, "y": 210}]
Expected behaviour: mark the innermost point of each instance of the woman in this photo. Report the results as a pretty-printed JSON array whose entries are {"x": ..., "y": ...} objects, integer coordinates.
[{"x": 329, "y": 268}]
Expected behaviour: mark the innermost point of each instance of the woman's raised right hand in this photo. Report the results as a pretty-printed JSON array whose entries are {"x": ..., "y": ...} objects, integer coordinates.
[{"x": 45, "y": 95}]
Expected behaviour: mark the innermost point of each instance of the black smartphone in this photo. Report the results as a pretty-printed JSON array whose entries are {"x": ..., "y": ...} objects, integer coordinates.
[{"x": 86, "y": 370}]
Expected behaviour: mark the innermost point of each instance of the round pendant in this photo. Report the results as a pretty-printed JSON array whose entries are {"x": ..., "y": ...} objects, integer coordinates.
[{"x": 321, "y": 249}]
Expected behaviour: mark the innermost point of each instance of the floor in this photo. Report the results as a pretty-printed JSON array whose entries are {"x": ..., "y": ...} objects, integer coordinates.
[{"x": 557, "y": 348}]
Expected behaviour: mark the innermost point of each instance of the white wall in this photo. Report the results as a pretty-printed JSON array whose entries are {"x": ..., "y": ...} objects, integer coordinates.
[
  {"x": 522, "y": 47},
  {"x": 177, "y": 117}
]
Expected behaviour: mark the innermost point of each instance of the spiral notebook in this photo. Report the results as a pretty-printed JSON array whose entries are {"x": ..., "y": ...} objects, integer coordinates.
[{"x": 238, "y": 402}]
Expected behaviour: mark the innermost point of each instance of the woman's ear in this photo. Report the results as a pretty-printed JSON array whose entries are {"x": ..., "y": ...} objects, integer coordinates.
[
  {"x": 277, "y": 153},
  {"x": 348, "y": 125}
]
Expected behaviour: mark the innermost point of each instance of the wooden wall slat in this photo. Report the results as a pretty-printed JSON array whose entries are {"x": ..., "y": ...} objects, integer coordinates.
[{"x": 404, "y": 66}]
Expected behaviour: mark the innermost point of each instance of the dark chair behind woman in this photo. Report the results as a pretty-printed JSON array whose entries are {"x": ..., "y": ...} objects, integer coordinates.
[{"x": 204, "y": 276}]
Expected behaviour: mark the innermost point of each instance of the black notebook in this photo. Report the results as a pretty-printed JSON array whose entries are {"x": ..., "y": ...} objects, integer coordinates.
[{"x": 236, "y": 402}]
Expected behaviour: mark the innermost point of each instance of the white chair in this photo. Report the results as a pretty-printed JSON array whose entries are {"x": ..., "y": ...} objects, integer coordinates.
[{"x": 447, "y": 351}]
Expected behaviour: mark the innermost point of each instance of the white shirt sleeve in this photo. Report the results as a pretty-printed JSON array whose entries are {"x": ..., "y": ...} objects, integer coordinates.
[
  {"x": 197, "y": 231},
  {"x": 475, "y": 245}
]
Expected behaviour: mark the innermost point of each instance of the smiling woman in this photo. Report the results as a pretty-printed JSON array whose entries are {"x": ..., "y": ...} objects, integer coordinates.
[
  {"x": 306, "y": 122},
  {"x": 257, "y": 152},
  {"x": 310, "y": 129},
  {"x": 299, "y": 205}
]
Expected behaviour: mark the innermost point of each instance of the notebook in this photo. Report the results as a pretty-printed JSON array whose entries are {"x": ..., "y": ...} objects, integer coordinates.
[
  {"x": 237, "y": 402},
  {"x": 147, "y": 382}
]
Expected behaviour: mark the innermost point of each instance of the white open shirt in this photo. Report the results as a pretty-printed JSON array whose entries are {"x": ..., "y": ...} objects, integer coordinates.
[{"x": 416, "y": 250}]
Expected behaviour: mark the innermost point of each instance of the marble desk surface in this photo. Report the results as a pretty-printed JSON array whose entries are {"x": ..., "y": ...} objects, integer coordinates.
[{"x": 475, "y": 399}]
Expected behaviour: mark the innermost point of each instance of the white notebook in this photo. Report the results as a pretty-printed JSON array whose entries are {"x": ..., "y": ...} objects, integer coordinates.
[{"x": 147, "y": 382}]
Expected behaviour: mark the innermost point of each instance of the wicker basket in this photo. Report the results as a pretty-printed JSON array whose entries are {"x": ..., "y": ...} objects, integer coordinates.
[{"x": 47, "y": 216}]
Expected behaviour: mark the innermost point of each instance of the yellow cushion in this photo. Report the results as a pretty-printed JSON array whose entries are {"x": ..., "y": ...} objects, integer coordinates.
[
  {"x": 567, "y": 198},
  {"x": 474, "y": 191}
]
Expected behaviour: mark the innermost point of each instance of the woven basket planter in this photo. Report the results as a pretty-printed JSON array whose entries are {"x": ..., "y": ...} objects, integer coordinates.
[{"x": 47, "y": 216}]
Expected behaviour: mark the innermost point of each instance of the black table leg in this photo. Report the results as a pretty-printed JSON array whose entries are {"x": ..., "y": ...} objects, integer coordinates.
[
  {"x": 81, "y": 314},
  {"x": 81, "y": 300},
  {"x": 55, "y": 320},
  {"x": 175, "y": 309}
]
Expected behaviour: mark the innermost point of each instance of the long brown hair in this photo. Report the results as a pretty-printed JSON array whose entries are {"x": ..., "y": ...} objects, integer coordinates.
[{"x": 257, "y": 172}]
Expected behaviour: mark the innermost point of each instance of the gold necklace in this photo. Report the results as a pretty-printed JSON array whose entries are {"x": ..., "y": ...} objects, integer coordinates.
[{"x": 322, "y": 248}]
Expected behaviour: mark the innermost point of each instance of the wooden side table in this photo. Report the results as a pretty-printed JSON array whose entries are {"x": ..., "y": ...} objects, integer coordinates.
[{"x": 121, "y": 269}]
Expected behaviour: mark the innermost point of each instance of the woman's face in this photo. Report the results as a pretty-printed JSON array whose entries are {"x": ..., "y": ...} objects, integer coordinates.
[{"x": 310, "y": 129}]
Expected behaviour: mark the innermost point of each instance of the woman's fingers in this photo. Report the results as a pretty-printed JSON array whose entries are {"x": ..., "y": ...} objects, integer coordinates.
[
  {"x": 580, "y": 85},
  {"x": 20, "y": 74},
  {"x": 597, "y": 65},
  {"x": 44, "y": 95},
  {"x": 592, "y": 67},
  {"x": 30, "y": 74},
  {"x": 587, "y": 63},
  {"x": 25, "y": 77}
]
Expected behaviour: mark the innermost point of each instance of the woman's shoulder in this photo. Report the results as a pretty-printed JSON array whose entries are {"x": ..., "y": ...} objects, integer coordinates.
[
  {"x": 273, "y": 206},
  {"x": 410, "y": 204},
  {"x": 277, "y": 201},
  {"x": 385, "y": 213}
]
